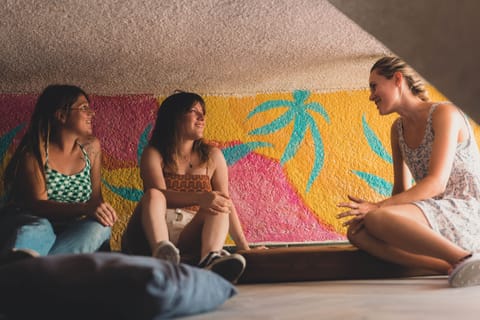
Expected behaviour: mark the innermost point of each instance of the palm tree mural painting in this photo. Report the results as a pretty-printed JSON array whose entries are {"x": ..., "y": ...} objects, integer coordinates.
[
  {"x": 298, "y": 113},
  {"x": 377, "y": 183}
]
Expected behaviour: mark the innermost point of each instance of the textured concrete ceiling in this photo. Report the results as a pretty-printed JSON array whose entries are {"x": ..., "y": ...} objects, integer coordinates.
[
  {"x": 209, "y": 46},
  {"x": 439, "y": 38}
]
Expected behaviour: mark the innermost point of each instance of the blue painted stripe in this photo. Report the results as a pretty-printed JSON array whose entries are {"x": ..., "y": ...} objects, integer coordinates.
[
  {"x": 6, "y": 139},
  {"x": 143, "y": 141},
  {"x": 131, "y": 194},
  {"x": 319, "y": 154},
  {"x": 234, "y": 153},
  {"x": 375, "y": 143},
  {"x": 378, "y": 184}
]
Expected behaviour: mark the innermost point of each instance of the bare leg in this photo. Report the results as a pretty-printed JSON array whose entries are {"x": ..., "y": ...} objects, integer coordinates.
[
  {"x": 210, "y": 229},
  {"x": 401, "y": 234},
  {"x": 380, "y": 249},
  {"x": 154, "y": 208}
]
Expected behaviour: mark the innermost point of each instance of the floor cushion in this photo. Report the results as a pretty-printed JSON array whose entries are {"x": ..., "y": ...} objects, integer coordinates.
[{"x": 107, "y": 286}]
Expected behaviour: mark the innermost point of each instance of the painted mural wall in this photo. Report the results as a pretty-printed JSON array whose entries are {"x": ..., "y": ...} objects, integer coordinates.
[{"x": 292, "y": 156}]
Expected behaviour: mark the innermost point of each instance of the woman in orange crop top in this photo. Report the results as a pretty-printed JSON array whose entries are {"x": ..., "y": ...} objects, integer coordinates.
[{"x": 186, "y": 205}]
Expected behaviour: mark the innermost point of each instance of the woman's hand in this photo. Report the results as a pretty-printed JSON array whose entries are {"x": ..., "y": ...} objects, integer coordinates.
[
  {"x": 105, "y": 214},
  {"x": 358, "y": 209},
  {"x": 215, "y": 202}
]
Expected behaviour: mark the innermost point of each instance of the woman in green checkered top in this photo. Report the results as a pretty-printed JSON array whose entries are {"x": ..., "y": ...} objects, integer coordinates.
[{"x": 54, "y": 201}]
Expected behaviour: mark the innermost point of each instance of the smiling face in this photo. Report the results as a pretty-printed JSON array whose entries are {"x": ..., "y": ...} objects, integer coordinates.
[
  {"x": 384, "y": 92},
  {"x": 193, "y": 123},
  {"x": 80, "y": 117}
]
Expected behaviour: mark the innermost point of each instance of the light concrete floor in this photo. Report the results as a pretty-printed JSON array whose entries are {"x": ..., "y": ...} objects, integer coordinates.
[{"x": 411, "y": 298}]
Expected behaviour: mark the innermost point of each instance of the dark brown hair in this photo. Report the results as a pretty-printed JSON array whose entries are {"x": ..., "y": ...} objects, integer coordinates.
[
  {"x": 165, "y": 132},
  {"x": 42, "y": 125}
]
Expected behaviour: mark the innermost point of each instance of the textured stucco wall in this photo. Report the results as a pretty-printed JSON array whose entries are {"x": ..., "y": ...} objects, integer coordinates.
[{"x": 292, "y": 156}]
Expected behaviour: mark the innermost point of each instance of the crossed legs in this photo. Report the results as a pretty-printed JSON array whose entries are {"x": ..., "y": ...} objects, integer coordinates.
[{"x": 401, "y": 234}]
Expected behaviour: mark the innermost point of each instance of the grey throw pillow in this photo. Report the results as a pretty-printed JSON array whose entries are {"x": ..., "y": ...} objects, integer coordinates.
[{"x": 107, "y": 286}]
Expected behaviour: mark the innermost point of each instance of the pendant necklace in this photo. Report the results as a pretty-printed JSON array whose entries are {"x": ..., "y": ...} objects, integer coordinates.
[{"x": 186, "y": 159}]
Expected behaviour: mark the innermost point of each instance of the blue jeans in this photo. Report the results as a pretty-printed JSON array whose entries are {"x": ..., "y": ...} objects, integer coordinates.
[{"x": 31, "y": 232}]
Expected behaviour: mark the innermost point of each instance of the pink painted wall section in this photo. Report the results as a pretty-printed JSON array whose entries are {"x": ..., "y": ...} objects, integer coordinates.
[
  {"x": 119, "y": 123},
  {"x": 15, "y": 110},
  {"x": 292, "y": 156},
  {"x": 268, "y": 206}
]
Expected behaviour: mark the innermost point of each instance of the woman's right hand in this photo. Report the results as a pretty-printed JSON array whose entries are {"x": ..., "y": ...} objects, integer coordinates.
[{"x": 215, "y": 202}]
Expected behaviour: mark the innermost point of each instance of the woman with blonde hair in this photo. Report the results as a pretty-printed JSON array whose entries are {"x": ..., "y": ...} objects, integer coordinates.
[{"x": 435, "y": 223}]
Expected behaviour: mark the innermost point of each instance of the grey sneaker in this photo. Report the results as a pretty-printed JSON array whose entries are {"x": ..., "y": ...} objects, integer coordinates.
[
  {"x": 466, "y": 273},
  {"x": 229, "y": 266},
  {"x": 167, "y": 251}
]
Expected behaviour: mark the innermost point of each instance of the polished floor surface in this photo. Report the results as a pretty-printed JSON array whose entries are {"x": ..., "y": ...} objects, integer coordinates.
[{"x": 410, "y": 298}]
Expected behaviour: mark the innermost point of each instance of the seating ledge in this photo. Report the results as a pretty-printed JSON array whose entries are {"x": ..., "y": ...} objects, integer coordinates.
[{"x": 320, "y": 262}]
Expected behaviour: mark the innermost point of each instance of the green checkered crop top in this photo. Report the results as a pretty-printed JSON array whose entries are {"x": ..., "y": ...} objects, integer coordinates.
[{"x": 73, "y": 188}]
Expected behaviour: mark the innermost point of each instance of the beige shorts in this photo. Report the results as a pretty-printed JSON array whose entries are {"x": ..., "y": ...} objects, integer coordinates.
[{"x": 177, "y": 219}]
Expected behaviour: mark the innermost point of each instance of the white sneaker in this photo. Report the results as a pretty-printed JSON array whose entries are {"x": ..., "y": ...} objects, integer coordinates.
[
  {"x": 466, "y": 273},
  {"x": 224, "y": 252},
  {"x": 167, "y": 251}
]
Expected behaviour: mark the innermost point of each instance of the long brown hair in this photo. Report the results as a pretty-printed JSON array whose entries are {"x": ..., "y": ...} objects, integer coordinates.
[
  {"x": 387, "y": 66},
  {"x": 165, "y": 134},
  {"x": 43, "y": 124}
]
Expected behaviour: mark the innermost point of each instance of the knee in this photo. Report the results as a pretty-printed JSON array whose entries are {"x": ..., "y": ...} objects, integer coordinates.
[
  {"x": 215, "y": 218},
  {"x": 94, "y": 232},
  {"x": 40, "y": 226},
  {"x": 37, "y": 235},
  {"x": 356, "y": 233},
  {"x": 153, "y": 204},
  {"x": 354, "y": 236},
  {"x": 154, "y": 196},
  {"x": 375, "y": 218},
  {"x": 100, "y": 233}
]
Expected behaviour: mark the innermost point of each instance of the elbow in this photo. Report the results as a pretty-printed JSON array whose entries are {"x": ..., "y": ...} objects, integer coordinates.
[{"x": 438, "y": 186}]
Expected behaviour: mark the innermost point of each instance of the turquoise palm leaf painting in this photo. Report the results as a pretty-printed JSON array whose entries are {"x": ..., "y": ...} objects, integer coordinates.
[
  {"x": 132, "y": 194},
  {"x": 377, "y": 183},
  {"x": 297, "y": 112},
  {"x": 373, "y": 141},
  {"x": 143, "y": 142},
  {"x": 5, "y": 142},
  {"x": 7, "y": 138},
  {"x": 235, "y": 153}
]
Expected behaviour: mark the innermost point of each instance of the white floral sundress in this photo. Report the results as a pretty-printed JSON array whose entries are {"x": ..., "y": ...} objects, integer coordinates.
[{"x": 455, "y": 214}]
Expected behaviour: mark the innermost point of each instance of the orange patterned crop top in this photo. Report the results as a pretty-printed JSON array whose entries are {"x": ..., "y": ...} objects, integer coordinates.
[{"x": 188, "y": 183}]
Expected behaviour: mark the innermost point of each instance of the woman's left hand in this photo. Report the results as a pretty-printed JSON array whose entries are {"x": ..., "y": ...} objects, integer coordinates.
[
  {"x": 358, "y": 209},
  {"x": 105, "y": 214}
]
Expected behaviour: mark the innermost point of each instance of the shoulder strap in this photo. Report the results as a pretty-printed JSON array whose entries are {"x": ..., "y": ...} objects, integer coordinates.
[{"x": 85, "y": 154}]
